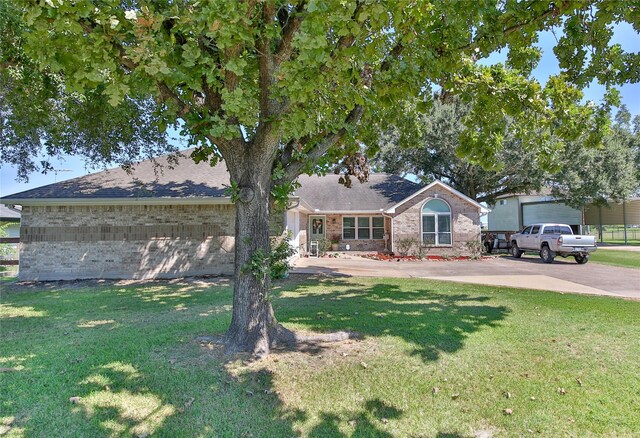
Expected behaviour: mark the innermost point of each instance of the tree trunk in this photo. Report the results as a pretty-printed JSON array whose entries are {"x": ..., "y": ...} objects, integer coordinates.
[
  {"x": 254, "y": 328},
  {"x": 253, "y": 323}
]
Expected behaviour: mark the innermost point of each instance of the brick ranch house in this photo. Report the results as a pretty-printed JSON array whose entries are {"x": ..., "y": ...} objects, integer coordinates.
[{"x": 174, "y": 222}]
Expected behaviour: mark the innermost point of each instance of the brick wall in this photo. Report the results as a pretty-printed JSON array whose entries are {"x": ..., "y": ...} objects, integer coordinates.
[
  {"x": 73, "y": 242},
  {"x": 334, "y": 228},
  {"x": 465, "y": 222}
]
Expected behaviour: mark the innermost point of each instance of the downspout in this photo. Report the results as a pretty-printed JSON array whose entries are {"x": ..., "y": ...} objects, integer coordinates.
[{"x": 391, "y": 231}]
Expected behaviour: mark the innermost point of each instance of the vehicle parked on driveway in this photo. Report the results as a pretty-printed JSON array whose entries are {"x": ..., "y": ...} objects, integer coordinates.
[{"x": 551, "y": 240}]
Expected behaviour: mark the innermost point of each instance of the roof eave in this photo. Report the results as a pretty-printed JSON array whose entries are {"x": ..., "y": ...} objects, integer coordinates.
[
  {"x": 379, "y": 211},
  {"x": 482, "y": 209},
  {"x": 116, "y": 201}
]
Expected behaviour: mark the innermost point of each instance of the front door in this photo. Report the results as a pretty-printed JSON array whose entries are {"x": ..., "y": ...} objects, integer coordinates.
[{"x": 317, "y": 227}]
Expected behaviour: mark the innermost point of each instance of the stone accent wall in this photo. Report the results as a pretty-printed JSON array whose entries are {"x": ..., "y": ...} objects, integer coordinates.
[
  {"x": 164, "y": 241},
  {"x": 465, "y": 222}
]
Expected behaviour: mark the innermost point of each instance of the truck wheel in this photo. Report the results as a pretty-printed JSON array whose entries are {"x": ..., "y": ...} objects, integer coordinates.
[
  {"x": 515, "y": 251},
  {"x": 582, "y": 259},
  {"x": 546, "y": 254}
]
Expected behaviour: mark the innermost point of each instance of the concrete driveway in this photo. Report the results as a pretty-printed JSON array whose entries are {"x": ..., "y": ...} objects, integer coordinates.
[{"x": 529, "y": 272}]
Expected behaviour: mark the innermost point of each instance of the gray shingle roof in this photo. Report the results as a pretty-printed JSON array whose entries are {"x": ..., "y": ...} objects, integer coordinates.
[
  {"x": 190, "y": 180},
  {"x": 187, "y": 179},
  {"x": 9, "y": 215},
  {"x": 380, "y": 192}
]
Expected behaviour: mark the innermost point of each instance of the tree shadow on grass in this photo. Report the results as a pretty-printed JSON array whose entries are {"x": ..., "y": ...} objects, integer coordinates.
[
  {"x": 136, "y": 392},
  {"x": 363, "y": 421},
  {"x": 431, "y": 321}
]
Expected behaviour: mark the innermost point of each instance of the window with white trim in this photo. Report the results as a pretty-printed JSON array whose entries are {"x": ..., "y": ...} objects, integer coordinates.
[
  {"x": 436, "y": 223},
  {"x": 362, "y": 227}
]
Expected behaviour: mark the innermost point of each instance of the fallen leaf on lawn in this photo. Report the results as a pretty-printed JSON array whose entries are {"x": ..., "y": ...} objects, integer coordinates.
[
  {"x": 75, "y": 399},
  {"x": 364, "y": 364},
  {"x": 561, "y": 391},
  {"x": 579, "y": 382},
  {"x": 508, "y": 411}
]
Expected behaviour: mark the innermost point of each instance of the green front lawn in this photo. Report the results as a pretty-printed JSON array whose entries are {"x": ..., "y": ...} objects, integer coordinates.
[
  {"x": 437, "y": 359},
  {"x": 626, "y": 259}
]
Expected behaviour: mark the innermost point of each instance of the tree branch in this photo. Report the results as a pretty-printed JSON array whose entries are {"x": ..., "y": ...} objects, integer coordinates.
[
  {"x": 557, "y": 9},
  {"x": 265, "y": 60},
  {"x": 292, "y": 25},
  {"x": 394, "y": 53},
  {"x": 293, "y": 169}
]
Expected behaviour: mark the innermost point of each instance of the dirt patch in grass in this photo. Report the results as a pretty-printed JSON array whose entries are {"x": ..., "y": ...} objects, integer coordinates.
[{"x": 326, "y": 354}]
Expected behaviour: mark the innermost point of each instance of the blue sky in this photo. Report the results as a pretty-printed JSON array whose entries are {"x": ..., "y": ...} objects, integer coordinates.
[{"x": 71, "y": 167}]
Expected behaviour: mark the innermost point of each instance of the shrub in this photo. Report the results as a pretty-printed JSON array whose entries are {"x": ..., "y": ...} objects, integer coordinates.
[
  {"x": 475, "y": 248},
  {"x": 405, "y": 245}
]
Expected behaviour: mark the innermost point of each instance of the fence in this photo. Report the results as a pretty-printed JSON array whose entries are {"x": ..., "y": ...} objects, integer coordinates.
[
  {"x": 616, "y": 234},
  {"x": 9, "y": 240}
]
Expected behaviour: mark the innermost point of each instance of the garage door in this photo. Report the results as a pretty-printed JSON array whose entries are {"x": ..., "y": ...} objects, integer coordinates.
[{"x": 554, "y": 212}]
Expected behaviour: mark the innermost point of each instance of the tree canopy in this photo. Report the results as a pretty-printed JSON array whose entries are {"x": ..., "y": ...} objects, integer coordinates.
[
  {"x": 579, "y": 173},
  {"x": 278, "y": 88},
  {"x": 600, "y": 175},
  {"x": 433, "y": 153}
]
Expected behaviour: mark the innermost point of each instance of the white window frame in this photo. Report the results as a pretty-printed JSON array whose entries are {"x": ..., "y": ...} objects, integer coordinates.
[
  {"x": 356, "y": 227},
  {"x": 435, "y": 216}
]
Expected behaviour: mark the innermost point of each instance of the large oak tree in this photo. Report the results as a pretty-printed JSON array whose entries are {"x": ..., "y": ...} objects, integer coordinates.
[
  {"x": 580, "y": 174},
  {"x": 279, "y": 88}
]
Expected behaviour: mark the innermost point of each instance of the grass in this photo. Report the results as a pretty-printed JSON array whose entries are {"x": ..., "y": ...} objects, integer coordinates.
[
  {"x": 630, "y": 242},
  {"x": 626, "y": 259},
  {"x": 437, "y": 359}
]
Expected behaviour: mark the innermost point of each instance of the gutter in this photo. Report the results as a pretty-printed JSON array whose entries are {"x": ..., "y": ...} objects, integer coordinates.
[
  {"x": 348, "y": 212},
  {"x": 294, "y": 200},
  {"x": 115, "y": 201}
]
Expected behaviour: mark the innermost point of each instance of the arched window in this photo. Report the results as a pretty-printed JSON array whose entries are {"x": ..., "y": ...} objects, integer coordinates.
[{"x": 436, "y": 223}]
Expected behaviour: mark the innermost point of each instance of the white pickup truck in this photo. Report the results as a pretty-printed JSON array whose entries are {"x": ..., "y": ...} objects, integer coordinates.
[{"x": 551, "y": 240}]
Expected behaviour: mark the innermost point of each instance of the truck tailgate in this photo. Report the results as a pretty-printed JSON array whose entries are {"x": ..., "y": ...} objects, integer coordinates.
[{"x": 575, "y": 240}]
